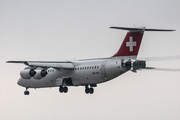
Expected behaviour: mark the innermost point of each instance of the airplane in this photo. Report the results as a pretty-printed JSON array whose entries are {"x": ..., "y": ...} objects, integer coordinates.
[{"x": 86, "y": 72}]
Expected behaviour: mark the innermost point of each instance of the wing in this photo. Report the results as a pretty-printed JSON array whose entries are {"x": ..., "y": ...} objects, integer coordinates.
[{"x": 46, "y": 64}]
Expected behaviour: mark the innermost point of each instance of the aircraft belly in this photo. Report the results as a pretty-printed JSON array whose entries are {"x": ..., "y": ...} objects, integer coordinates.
[{"x": 87, "y": 77}]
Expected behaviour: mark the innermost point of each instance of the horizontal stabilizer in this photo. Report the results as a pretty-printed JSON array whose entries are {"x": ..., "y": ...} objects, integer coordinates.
[{"x": 140, "y": 29}]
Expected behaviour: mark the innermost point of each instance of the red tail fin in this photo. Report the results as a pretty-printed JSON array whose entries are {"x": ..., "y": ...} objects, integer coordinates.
[
  {"x": 131, "y": 44},
  {"x": 132, "y": 41}
]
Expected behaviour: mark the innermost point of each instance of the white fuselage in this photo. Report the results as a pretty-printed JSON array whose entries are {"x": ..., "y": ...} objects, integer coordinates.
[
  {"x": 88, "y": 72},
  {"x": 85, "y": 72}
]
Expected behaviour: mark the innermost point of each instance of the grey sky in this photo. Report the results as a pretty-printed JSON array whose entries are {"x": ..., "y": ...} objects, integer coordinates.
[{"x": 67, "y": 30}]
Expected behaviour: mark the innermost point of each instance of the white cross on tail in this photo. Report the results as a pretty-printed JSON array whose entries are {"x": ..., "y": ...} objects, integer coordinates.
[{"x": 130, "y": 44}]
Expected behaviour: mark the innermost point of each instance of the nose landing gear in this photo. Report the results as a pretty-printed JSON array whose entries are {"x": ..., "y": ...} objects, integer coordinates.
[{"x": 26, "y": 92}]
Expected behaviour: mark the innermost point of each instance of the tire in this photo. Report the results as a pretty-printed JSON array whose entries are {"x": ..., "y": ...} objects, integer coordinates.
[
  {"x": 26, "y": 92},
  {"x": 61, "y": 89},
  {"x": 91, "y": 90},
  {"x": 87, "y": 90},
  {"x": 65, "y": 89}
]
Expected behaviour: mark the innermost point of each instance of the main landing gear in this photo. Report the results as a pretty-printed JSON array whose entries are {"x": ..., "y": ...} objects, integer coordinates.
[
  {"x": 26, "y": 92},
  {"x": 63, "y": 89},
  {"x": 89, "y": 90}
]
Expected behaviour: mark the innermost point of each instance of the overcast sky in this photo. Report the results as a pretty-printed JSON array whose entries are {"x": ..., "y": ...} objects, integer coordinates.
[{"x": 70, "y": 29}]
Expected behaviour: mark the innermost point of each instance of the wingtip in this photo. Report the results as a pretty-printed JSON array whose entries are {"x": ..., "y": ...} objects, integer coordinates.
[
  {"x": 8, "y": 61},
  {"x": 15, "y": 61}
]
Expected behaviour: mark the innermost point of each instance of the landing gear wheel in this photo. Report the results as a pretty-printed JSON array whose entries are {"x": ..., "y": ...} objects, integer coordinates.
[
  {"x": 87, "y": 90},
  {"x": 91, "y": 90},
  {"x": 63, "y": 89},
  {"x": 26, "y": 92}
]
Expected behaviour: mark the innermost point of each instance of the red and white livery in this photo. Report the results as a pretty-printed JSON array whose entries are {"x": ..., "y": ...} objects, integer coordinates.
[{"x": 89, "y": 72}]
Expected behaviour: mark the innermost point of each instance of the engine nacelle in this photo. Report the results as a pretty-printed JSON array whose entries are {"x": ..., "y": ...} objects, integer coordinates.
[
  {"x": 40, "y": 74},
  {"x": 27, "y": 73}
]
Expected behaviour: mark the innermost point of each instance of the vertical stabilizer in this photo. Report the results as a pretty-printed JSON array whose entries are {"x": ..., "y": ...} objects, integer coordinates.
[{"x": 131, "y": 44}]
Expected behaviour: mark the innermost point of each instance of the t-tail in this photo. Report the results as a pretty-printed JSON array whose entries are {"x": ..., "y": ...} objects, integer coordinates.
[{"x": 132, "y": 41}]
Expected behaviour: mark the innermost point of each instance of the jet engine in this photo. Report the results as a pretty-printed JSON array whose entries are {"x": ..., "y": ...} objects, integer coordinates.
[
  {"x": 40, "y": 74},
  {"x": 27, "y": 73}
]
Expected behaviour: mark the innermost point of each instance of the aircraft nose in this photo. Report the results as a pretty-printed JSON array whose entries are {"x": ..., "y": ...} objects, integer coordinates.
[{"x": 19, "y": 82}]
